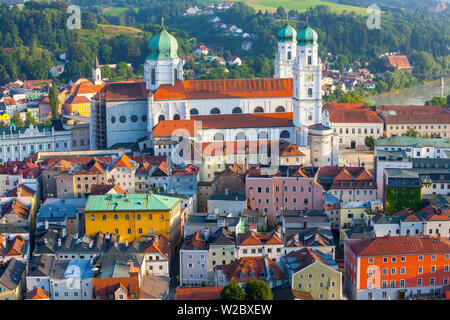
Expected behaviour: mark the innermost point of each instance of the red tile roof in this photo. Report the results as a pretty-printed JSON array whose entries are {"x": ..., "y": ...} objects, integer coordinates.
[
  {"x": 252, "y": 238},
  {"x": 37, "y": 293},
  {"x": 201, "y": 293},
  {"x": 240, "y": 270},
  {"x": 399, "y": 245},
  {"x": 159, "y": 245},
  {"x": 288, "y": 149},
  {"x": 226, "y": 89},
  {"x": 398, "y": 61},
  {"x": 195, "y": 241},
  {"x": 14, "y": 246},
  {"x": 102, "y": 189},
  {"x": 124, "y": 161},
  {"x": 104, "y": 287},
  {"x": 167, "y": 128},
  {"x": 254, "y": 120},
  {"x": 188, "y": 170},
  {"x": 414, "y": 114},
  {"x": 77, "y": 100},
  {"x": 359, "y": 177},
  {"x": 351, "y": 113},
  {"x": 124, "y": 90},
  {"x": 26, "y": 168}
]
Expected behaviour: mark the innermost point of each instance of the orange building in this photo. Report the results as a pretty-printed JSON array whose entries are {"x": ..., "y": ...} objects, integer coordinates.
[{"x": 392, "y": 268}]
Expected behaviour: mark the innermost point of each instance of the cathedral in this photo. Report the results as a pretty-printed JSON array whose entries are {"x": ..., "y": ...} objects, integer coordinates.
[{"x": 128, "y": 111}]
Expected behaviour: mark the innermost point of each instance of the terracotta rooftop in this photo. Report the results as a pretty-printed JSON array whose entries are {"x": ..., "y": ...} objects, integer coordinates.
[
  {"x": 225, "y": 89},
  {"x": 253, "y": 120},
  {"x": 288, "y": 149},
  {"x": 14, "y": 246},
  {"x": 77, "y": 100},
  {"x": 101, "y": 189},
  {"x": 251, "y": 268},
  {"x": 346, "y": 177},
  {"x": 414, "y": 114},
  {"x": 398, "y": 61},
  {"x": 124, "y": 90},
  {"x": 399, "y": 245},
  {"x": 124, "y": 161},
  {"x": 195, "y": 241},
  {"x": 201, "y": 293},
  {"x": 26, "y": 168},
  {"x": 159, "y": 244},
  {"x": 252, "y": 238},
  {"x": 167, "y": 128},
  {"x": 37, "y": 293},
  {"x": 351, "y": 113}
]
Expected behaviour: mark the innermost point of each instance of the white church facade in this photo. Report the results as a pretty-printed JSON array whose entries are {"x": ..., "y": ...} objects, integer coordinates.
[{"x": 128, "y": 111}]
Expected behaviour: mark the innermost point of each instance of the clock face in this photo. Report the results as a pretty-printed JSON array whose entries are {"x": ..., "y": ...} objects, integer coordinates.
[{"x": 309, "y": 77}]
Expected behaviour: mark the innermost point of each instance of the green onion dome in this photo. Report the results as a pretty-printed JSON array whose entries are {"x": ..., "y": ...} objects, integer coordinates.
[
  {"x": 307, "y": 36},
  {"x": 287, "y": 33},
  {"x": 163, "y": 46}
]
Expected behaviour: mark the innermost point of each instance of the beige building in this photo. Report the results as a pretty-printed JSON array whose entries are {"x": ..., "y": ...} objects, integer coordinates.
[
  {"x": 426, "y": 120},
  {"x": 353, "y": 122}
]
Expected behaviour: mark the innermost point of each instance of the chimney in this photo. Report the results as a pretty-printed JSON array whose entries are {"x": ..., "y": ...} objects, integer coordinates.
[
  {"x": 91, "y": 243},
  {"x": 216, "y": 211},
  {"x": 296, "y": 238},
  {"x": 46, "y": 224},
  {"x": 126, "y": 243},
  {"x": 59, "y": 242},
  {"x": 4, "y": 241},
  {"x": 226, "y": 191},
  {"x": 156, "y": 237},
  {"x": 316, "y": 237},
  {"x": 75, "y": 236}
]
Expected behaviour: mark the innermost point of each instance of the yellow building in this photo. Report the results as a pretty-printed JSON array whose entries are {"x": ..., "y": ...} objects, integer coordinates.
[
  {"x": 132, "y": 216},
  {"x": 5, "y": 117},
  {"x": 12, "y": 278},
  {"x": 78, "y": 105}
]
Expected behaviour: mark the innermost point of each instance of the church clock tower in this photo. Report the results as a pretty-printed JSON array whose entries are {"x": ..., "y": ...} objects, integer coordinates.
[
  {"x": 287, "y": 52},
  {"x": 307, "y": 104},
  {"x": 162, "y": 66}
]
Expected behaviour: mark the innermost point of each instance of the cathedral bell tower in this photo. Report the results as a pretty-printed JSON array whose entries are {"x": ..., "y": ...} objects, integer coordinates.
[
  {"x": 287, "y": 52},
  {"x": 307, "y": 104},
  {"x": 96, "y": 73},
  {"x": 162, "y": 66}
]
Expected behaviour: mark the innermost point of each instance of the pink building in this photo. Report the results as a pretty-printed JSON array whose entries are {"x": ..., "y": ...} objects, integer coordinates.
[{"x": 291, "y": 188}]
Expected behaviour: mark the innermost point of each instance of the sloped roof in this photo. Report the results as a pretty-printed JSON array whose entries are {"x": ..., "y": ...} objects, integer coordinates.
[
  {"x": 226, "y": 89},
  {"x": 201, "y": 293},
  {"x": 77, "y": 100},
  {"x": 11, "y": 274},
  {"x": 14, "y": 246},
  {"x": 243, "y": 120},
  {"x": 37, "y": 293},
  {"x": 127, "y": 202},
  {"x": 240, "y": 270},
  {"x": 398, "y": 61},
  {"x": 351, "y": 113},
  {"x": 102, "y": 189},
  {"x": 160, "y": 245},
  {"x": 398, "y": 245},
  {"x": 195, "y": 241},
  {"x": 300, "y": 259},
  {"x": 124, "y": 161}
]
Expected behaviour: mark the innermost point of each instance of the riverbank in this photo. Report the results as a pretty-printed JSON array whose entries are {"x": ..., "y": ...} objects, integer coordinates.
[{"x": 415, "y": 95}]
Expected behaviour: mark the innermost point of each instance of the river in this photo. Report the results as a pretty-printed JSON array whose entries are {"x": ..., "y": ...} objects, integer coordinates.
[{"x": 416, "y": 95}]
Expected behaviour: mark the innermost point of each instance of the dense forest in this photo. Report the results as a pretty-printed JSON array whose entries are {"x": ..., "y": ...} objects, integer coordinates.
[{"x": 38, "y": 34}]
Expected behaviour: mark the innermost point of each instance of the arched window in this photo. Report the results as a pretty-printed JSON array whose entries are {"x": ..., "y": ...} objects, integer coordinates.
[
  {"x": 263, "y": 135},
  {"x": 258, "y": 110},
  {"x": 310, "y": 92},
  {"x": 176, "y": 117},
  {"x": 241, "y": 136},
  {"x": 153, "y": 76},
  {"x": 237, "y": 110},
  {"x": 175, "y": 74},
  {"x": 161, "y": 117},
  {"x": 215, "y": 111},
  {"x": 284, "y": 134},
  {"x": 218, "y": 136},
  {"x": 280, "y": 109},
  {"x": 193, "y": 111}
]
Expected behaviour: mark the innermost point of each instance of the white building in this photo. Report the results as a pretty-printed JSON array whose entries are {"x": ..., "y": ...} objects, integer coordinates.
[
  {"x": 71, "y": 280},
  {"x": 18, "y": 143}
]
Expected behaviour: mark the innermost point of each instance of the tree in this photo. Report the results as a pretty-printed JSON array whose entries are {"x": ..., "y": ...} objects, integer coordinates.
[
  {"x": 16, "y": 119},
  {"x": 257, "y": 290},
  {"x": 232, "y": 291},
  {"x": 370, "y": 142},
  {"x": 437, "y": 101},
  {"x": 281, "y": 13},
  {"x": 54, "y": 101},
  {"x": 30, "y": 119},
  {"x": 411, "y": 132}
]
